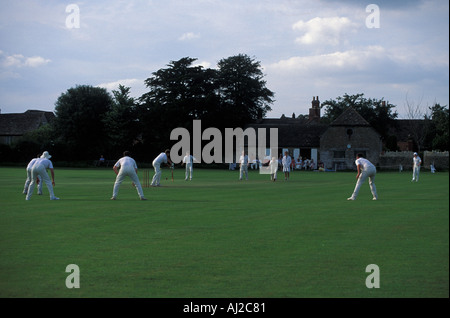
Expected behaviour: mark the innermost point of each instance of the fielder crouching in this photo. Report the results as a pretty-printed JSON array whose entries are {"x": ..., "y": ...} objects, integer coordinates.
[
  {"x": 126, "y": 166},
  {"x": 40, "y": 169}
]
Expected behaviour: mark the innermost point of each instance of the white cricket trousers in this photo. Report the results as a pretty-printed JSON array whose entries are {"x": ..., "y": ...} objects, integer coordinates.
[
  {"x": 243, "y": 170},
  {"x": 39, "y": 170},
  {"x": 416, "y": 171},
  {"x": 157, "y": 177},
  {"x": 28, "y": 181},
  {"x": 273, "y": 176},
  {"x": 370, "y": 173},
  {"x": 189, "y": 170},
  {"x": 130, "y": 172}
]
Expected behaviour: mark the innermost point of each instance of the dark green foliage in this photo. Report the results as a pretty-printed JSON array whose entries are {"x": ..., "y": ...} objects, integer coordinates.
[
  {"x": 231, "y": 96},
  {"x": 80, "y": 113},
  {"x": 440, "y": 122},
  {"x": 121, "y": 123}
]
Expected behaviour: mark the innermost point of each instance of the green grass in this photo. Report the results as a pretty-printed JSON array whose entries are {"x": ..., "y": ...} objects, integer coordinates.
[{"x": 219, "y": 237}]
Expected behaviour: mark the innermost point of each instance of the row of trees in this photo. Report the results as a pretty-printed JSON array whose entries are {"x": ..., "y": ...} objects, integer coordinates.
[{"x": 91, "y": 122}]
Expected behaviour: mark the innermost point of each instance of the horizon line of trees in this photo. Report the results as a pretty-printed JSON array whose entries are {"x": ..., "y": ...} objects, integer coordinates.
[{"x": 91, "y": 122}]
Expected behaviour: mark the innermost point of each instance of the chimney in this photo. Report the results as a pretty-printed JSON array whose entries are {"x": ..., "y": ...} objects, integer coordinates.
[{"x": 314, "y": 111}]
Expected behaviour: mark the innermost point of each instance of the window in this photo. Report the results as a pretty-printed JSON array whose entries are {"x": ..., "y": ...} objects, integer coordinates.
[{"x": 338, "y": 154}]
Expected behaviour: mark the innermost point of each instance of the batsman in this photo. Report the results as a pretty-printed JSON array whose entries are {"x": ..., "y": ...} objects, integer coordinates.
[{"x": 163, "y": 157}]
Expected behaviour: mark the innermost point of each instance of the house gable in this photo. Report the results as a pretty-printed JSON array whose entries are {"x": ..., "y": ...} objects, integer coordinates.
[
  {"x": 349, "y": 134},
  {"x": 350, "y": 117}
]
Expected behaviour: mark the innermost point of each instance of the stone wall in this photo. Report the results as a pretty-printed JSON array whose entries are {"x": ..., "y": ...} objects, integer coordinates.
[
  {"x": 392, "y": 160},
  {"x": 439, "y": 159}
]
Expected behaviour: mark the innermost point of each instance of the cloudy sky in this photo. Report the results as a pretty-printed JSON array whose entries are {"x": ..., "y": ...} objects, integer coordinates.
[{"x": 397, "y": 50}]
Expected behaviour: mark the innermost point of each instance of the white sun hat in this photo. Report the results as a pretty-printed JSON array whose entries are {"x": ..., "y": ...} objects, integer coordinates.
[{"x": 46, "y": 155}]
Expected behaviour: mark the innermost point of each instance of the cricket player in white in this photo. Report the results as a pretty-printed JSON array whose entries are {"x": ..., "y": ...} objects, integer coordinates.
[
  {"x": 243, "y": 160},
  {"x": 163, "y": 157},
  {"x": 365, "y": 170},
  {"x": 286, "y": 162},
  {"x": 416, "y": 167},
  {"x": 28, "y": 181},
  {"x": 188, "y": 160},
  {"x": 273, "y": 165},
  {"x": 40, "y": 169},
  {"x": 126, "y": 166}
]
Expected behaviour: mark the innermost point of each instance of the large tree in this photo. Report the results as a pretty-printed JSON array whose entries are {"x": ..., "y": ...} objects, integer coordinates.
[
  {"x": 439, "y": 130},
  {"x": 230, "y": 96},
  {"x": 121, "y": 122},
  {"x": 243, "y": 92},
  {"x": 79, "y": 123},
  {"x": 177, "y": 95}
]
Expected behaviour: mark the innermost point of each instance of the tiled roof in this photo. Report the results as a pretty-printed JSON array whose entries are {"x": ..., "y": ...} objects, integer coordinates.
[
  {"x": 293, "y": 132},
  {"x": 350, "y": 117},
  {"x": 17, "y": 124}
]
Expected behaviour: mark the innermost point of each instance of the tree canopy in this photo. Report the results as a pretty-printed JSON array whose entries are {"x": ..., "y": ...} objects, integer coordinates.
[
  {"x": 242, "y": 89},
  {"x": 439, "y": 130},
  {"x": 91, "y": 122},
  {"x": 232, "y": 95},
  {"x": 80, "y": 113}
]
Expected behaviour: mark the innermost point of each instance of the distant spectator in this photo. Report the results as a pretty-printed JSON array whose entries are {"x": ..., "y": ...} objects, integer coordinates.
[
  {"x": 255, "y": 164},
  {"x": 298, "y": 163},
  {"x": 321, "y": 166},
  {"x": 311, "y": 164},
  {"x": 101, "y": 161},
  {"x": 306, "y": 164},
  {"x": 432, "y": 168}
]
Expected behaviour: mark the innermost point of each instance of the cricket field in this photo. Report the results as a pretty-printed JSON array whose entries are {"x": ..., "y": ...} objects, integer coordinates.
[{"x": 218, "y": 237}]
